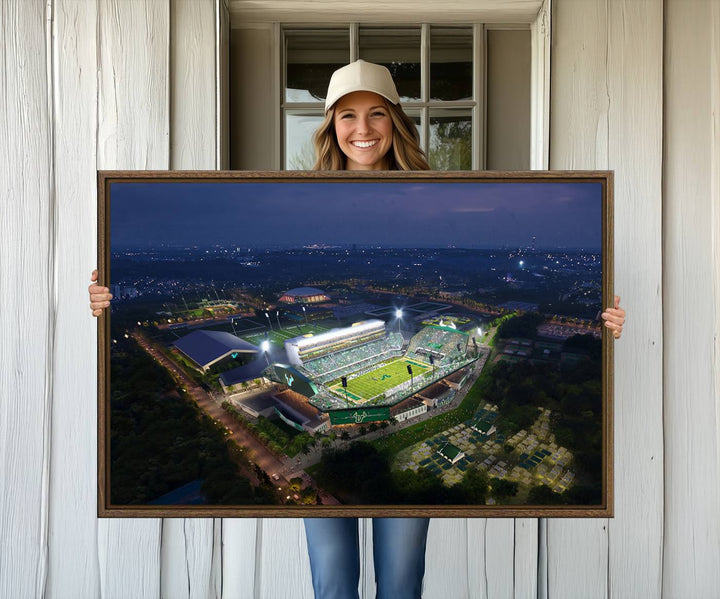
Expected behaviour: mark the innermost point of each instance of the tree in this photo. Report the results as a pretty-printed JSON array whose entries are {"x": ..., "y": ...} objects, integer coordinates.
[
  {"x": 474, "y": 486},
  {"x": 308, "y": 496},
  {"x": 503, "y": 489},
  {"x": 544, "y": 495}
]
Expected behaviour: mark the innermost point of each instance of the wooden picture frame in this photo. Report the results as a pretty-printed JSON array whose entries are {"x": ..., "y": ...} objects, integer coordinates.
[{"x": 508, "y": 405}]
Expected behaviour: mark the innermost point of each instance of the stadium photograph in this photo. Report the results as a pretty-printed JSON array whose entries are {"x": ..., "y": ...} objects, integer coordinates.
[{"x": 300, "y": 345}]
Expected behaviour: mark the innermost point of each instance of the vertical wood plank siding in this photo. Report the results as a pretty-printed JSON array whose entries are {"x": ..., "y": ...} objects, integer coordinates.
[
  {"x": 691, "y": 326},
  {"x": 577, "y": 550},
  {"x": 607, "y": 113},
  {"x": 456, "y": 565},
  {"x": 72, "y": 550},
  {"x": 133, "y": 131},
  {"x": 635, "y": 537},
  {"x": 282, "y": 566},
  {"x": 239, "y": 558},
  {"x": 26, "y": 302},
  {"x": 120, "y": 84},
  {"x": 189, "y": 566}
]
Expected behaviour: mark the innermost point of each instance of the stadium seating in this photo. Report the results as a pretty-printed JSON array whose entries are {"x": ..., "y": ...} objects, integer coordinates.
[
  {"x": 439, "y": 342},
  {"x": 337, "y": 364}
]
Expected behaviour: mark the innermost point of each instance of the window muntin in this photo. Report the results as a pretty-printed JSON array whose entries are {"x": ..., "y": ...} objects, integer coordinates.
[{"x": 439, "y": 71}]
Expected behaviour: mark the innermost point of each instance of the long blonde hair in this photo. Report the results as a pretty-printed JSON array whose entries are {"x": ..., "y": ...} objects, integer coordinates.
[{"x": 405, "y": 153}]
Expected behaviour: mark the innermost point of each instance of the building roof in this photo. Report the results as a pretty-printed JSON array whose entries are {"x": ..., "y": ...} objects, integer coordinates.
[
  {"x": 483, "y": 426},
  {"x": 434, "y": 390},
  {"x": 305, "y": 291},
  {"x": 259, "y": 403},
  {"x": 206, "y": 347},
  {"x": 449, "y": 451},
  {"x": 356, "y": 328},
  {"x": 457, "y": 376}
]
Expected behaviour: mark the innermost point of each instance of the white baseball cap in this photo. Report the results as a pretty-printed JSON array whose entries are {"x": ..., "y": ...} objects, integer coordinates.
[{"x": 361, "y": 76}]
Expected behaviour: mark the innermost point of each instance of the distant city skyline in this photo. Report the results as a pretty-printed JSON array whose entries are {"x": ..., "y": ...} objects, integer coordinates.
[{"x": 262, "y": 215}]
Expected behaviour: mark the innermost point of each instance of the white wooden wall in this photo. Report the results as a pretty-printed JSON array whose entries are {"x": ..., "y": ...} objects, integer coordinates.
[{"x": 134, "y": 84}]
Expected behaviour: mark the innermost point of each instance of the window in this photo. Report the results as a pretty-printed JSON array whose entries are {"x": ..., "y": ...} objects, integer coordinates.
[
  {"x": 468, "y": 88},
  {"x": 434, "y": 67}
]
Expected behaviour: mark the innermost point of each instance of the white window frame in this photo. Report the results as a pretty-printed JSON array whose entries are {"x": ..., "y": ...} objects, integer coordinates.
[
  {"x": 536, "y": 15},
  {"x": 476, "y": 106}
]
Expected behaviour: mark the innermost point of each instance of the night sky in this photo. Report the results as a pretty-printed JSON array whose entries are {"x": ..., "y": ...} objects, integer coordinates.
[{"x": 393, "y": 214}]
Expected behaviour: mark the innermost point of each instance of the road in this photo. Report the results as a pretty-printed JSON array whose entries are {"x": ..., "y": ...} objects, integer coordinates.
[{"x": 256, "y": 450}]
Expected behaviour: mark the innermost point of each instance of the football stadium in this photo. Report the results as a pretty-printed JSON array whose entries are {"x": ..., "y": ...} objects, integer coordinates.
[{"x": 357, "y": 373}]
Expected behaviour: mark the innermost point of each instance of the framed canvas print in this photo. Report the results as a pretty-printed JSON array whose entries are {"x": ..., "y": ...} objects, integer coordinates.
[{"x": 355, "y": 344}]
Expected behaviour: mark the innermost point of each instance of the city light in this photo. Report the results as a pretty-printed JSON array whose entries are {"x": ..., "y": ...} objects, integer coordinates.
[{"x": 521, "y": 262}]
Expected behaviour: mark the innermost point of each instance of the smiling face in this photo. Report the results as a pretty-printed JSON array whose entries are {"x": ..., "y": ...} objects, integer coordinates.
[{"x": 364, "y": 130}]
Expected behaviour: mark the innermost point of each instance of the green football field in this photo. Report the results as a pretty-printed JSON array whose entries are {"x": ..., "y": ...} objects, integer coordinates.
[{"x": 377, "y": 381}]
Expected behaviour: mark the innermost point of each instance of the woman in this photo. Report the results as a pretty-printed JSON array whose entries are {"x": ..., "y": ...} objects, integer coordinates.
[{"x": 365, "y": 129}]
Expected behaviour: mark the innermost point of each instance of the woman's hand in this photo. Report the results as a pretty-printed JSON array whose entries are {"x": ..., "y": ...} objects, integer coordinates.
[
  {"x": 99, "y": 296},
  {"x": 615, "y": 318}
]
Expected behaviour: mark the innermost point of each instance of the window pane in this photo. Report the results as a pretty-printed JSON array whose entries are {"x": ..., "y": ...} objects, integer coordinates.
[
  {"x": 451, "y": 55},
  {"x": 399, "y": 51},
  {"x": 414, "y": 115},
  {"x": 450, "y": 145},
  {"x": 311, "y": 58},
  {"x": 299, "y": 149}
]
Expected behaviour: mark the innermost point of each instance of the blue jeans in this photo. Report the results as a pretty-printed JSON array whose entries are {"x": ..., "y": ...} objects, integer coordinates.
[{"x": 398, "y": 552}]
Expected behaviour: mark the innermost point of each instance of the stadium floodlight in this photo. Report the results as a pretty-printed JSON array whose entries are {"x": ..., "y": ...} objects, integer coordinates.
[
  {"x": 265, "y": 347},
  {"x": 269, "y": 323},
  {"x": 398, "y": 313},
  {"x": 277, "y": 315},
  {"x": 479, "y": 331},
  {"x": 343, "y": 380}
]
